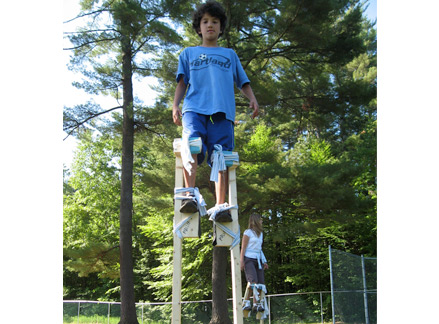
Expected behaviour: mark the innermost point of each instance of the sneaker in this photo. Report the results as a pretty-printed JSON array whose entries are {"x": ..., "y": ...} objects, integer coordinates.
[
  {"x": 260, "y": 308},
  {"x": 223, "y": 217},
  {"x": 246, "y": 305},
  {"x": 188, "y": 206},
  {"x": 255, "y": 308}
]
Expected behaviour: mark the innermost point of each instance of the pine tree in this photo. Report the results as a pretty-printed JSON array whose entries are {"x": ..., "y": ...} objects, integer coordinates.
[{"x": 118, "y": 31}]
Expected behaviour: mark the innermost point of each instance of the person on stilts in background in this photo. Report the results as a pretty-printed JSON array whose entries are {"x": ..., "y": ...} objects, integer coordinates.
[
  {"x": 253, "y": 261},
  {"x": 208, "y": 73}
]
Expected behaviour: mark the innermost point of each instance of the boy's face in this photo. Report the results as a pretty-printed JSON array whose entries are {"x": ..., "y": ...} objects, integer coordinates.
[{"x": 210, "y": 27}]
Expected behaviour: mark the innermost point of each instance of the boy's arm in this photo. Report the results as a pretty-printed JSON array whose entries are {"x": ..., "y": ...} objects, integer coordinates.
[
  {"x": 180, "y": 90},
  {"x": 248, "y": 92}
]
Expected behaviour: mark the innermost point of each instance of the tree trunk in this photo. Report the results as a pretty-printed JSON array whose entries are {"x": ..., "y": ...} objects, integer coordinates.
[
  {"x": 220, "y": 314},
  {"x": 128, "y": 307}
]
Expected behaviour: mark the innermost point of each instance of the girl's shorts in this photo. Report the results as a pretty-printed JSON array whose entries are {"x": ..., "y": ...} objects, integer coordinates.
[
  {"x": 215, "y": 129},
  {"x": 252, "y": 271}
]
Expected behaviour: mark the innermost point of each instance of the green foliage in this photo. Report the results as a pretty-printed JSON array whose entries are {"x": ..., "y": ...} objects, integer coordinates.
[
  {"x": 261, "y": 147},
  {"x": 95, "y": 175},
  {"x": 98, "y": 257}
]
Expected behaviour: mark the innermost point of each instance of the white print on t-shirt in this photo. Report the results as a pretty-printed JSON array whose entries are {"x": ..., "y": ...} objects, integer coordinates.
[{"x": 204, "y": 60}]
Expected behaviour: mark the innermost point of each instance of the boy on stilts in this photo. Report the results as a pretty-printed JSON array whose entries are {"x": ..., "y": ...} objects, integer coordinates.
[{"x": 207, "y": 74}]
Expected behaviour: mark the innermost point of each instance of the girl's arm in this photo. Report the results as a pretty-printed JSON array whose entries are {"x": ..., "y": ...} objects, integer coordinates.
[
  {"x": 248, "y": 92},
  {"x": 180, "y": 90},
  {"x": 245, "y": 240}
]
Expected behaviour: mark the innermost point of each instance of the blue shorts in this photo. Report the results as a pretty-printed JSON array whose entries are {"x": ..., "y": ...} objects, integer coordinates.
[{"x": 215, "y": 129}]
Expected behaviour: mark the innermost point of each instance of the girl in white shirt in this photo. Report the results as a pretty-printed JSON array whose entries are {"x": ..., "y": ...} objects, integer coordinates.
[{"x": 253, "y": 261}]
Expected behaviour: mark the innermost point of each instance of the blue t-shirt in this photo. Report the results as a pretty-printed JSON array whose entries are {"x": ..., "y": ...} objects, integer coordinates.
[{"x": 210, "y": 73}]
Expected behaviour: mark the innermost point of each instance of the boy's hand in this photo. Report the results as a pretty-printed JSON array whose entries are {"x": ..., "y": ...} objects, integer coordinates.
[
  {"x": 176, "y": 115},
  {"x": 248, "y": 92},
  {"x": 254, "y": 105}
]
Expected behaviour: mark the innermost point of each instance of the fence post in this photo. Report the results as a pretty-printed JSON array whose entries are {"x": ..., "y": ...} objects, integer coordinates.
[
  {"x": 366, "y": 308},
  {"x": 269, "y": 308},
  {"x": 108, "y": 316},
  {"x": 332, "y": 285},
  {"x": 321, "y": 306},
  {"x": 79, "y": 307}
]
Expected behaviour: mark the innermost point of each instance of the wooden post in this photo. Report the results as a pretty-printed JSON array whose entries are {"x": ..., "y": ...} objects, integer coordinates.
[
  {"x": 235, "y": 255},
  {"x": 177, "y": 255}
]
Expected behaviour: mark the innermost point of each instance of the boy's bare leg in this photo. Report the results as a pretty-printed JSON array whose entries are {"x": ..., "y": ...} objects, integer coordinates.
[
  {"x": 220, "y": 193},
  {"x": 188, "y": 205},
  {"x": 221, "y": 187},
  {"x": 189, "y": 180}
]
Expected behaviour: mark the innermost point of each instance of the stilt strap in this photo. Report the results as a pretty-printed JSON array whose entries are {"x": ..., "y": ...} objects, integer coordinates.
[
  {"x": 187, "y": 146},
  {"x": 228, "y": 231},
  {"x": 197, "y": 197},
  {"x": 221, "y": 160},
  {"x": 214, "y": 211},
  {"x": 177, "y": 228},
  {"x": 194, "y": 144},
  {"x": 256, "y": 287},
  {"x": 219, "y": 208}
]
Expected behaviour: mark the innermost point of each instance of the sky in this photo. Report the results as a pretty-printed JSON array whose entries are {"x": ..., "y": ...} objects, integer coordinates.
[
  {"x": 371, "y": 11},
  {"x": 72, "y": 96}
]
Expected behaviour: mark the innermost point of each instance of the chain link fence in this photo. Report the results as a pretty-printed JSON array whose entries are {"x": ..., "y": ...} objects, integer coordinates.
[
  {"x": 292, "y": 308},
  {"x": 353, "y": 288},
  {"x": 352, "y": 299}
]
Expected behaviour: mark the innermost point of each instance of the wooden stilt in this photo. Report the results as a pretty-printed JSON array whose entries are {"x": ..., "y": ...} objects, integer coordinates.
[
  {"x": 235, "y": 253},
  {"x": 177, "y": 255},
  {"x": 258, "y": 314},
  {"x": 247, "y": 297},
  {"x": 248, "y": 291},
  {"x": 190, "y": 230}
]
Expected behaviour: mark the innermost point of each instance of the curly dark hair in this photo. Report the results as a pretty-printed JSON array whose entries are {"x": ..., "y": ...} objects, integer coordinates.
[{"x": 214, "y": 9}]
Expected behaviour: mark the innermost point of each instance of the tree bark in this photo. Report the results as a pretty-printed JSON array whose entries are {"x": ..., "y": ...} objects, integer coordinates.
[
  {"x": 128, "y": 307},
  {"x": 220, "y": 314}
]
